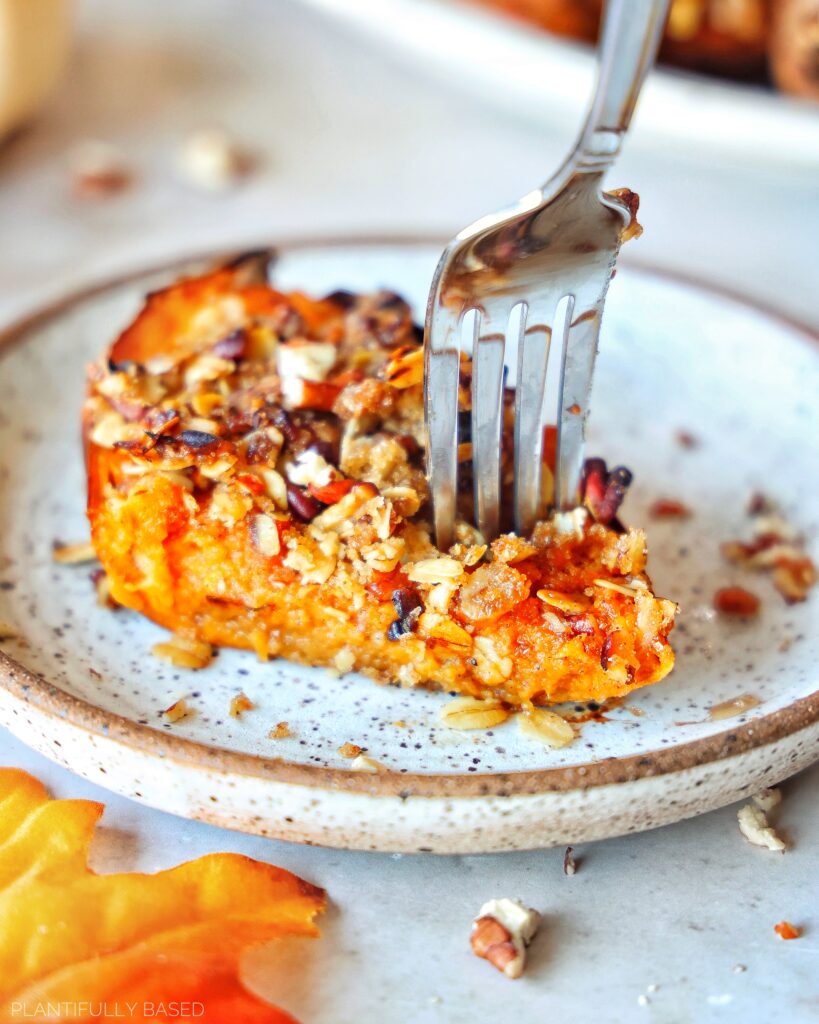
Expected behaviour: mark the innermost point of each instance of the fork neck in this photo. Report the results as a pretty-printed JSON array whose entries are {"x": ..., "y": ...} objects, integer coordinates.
[{"x": 628, "y": 46}]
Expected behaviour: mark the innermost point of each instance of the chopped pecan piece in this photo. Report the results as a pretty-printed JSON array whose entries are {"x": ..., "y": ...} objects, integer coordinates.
[
  {"x": 301, "y": 504},
  {"x": 736, "y": 601},
  {"x": 408, "y": 608},
  {"x": 501, "y": 932}
]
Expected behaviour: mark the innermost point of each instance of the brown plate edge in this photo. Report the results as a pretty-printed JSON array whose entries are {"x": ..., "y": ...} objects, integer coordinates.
[{"x": 50, "y": 700}]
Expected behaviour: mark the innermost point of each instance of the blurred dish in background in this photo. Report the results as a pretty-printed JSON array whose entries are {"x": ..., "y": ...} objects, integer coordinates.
[
  {"x": 751, "y": 40},
  {"x": 546, "y": 79},
  {"x": 35, "y": 40}
]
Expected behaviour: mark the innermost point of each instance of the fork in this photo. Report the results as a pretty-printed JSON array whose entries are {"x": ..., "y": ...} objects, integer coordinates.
[{"x": 549, "y": 258}]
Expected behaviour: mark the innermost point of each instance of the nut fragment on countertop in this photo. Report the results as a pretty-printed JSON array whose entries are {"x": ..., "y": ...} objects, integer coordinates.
[
  {"x": 351, "y": 750},
  {"x": 767, "y": 799},
  {"x": 240, "y": 703},
  {"x": 73, "y": 554},
  {"x": 178, "y": 710},
  {"x": 546, "y": 727},
  {"x": 753, "y": 824},
  {"x": 210, "y": 159},
  {"x": 569, "y": 863},
  {"x": 98, "y": 169},
  {"x": 501, "y": 932},
  {"x": 471, "y": 713},
  {"x": 183, "y": 652},
  {"x": 280, "y": 731}
]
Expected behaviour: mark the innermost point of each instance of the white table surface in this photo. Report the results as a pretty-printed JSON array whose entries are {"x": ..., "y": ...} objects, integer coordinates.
[{"x": 352, "y": 141}]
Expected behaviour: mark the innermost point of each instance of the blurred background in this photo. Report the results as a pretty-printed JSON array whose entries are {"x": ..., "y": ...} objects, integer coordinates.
[{"x": 142, "y": 130}]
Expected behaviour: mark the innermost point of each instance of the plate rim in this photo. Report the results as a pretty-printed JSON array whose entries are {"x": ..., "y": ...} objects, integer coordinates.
[{"x": 49, "y": 699}]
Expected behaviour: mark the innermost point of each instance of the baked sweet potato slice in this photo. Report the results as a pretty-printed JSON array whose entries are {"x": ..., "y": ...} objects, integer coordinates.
[{"x": 256, "y": 480}]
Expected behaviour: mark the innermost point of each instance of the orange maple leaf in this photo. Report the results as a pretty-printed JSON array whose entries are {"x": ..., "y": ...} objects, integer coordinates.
[{"x": 162, "y": 947}]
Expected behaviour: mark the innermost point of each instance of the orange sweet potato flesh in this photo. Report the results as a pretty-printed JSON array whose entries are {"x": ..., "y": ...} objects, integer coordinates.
[
  {"x": 176, "y": 937},
  {"x": 170, "y": 554}
]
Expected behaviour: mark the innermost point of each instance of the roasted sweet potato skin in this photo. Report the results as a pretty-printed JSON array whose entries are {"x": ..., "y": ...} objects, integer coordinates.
[{"x": 255, "y": 480}]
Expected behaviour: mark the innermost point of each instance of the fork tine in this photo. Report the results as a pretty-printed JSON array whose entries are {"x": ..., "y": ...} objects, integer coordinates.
[
  {"x": 533, "y": 355},
  {"x": 441, "y": 374},
  {"x": 579, "y": 354},
  {"x": 489, "y": 344}
]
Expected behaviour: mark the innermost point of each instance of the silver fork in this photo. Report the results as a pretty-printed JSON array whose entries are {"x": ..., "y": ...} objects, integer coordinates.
[{"x": 559, "y": 242}]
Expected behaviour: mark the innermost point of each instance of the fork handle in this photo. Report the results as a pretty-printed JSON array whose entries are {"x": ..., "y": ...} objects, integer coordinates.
[{"x": 628, "y": 46}]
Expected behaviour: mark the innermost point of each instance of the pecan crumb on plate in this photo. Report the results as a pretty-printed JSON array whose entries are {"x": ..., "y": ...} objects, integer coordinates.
[
  {"x": 775, "y": 547},
  {"x": 211, "y": 160},
  {"x": 685, "y": 439},
  {"x": 239, "y": 704},
  {"x": 736, "y": 602},
  {"x": 177, "y": 711},
  {"x": 669, "y": 508},
  {"x": 98, "y": 170}
]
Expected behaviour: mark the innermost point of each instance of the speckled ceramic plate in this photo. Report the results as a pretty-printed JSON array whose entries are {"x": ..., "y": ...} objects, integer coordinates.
[{"x": 80, "y": 685}]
